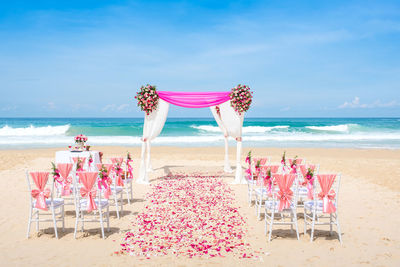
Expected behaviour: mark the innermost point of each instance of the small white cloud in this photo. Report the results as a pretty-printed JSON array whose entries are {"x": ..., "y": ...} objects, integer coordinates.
[
  {"x": 9, "y": 108},
  {"x": 377, "y": 104},
  {"x": 285, "y": 109},
  {"x": 115, "y": 108},
  {"x": 51, "y": 105}
]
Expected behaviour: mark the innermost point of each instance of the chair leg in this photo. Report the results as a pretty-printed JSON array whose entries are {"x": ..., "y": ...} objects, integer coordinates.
[
  {"x": 116, "y": 204},
  {"x": 270, "y": 225},
  {"x": 63, "y": 219},
  {"x": 291, "y": 222},
  {"x": 305, "y": 221},
  {"x": 108, "y": 218},
  {"x": 76, "y": 222},
  {"x": 101, "y": 222},
  {"x": 295, "y": 224},
  {"x": 127, "y": 193},
  {"x": 338, "y": 229},
  {"x": 122, "y": 203},
  {"x": 131, "y": 189},
  {"x": 330, "y": 224},
  {"x": 312, "y": 227},
  {"x": 54, "y": 222},
  {"x": 82, "y": 221},
  {"x": 29, "y": 223},
  {"x": 37, "y": 220}
]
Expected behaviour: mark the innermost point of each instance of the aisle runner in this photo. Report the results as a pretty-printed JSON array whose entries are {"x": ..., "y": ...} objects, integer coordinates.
[{"x": 189, "y": 216}]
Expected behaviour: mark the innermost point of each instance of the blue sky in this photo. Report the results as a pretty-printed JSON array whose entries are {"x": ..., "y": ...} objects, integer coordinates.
[{"x": 301, "y": 58}]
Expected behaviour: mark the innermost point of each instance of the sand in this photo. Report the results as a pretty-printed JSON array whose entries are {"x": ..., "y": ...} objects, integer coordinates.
[{"x": 369, "y": 204}]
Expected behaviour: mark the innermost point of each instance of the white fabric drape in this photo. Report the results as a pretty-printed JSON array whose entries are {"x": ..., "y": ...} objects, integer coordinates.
[
  {"x": 231, "y": 123},
  {"x": 153, "y": 125},
  {"x": 228, "y": 121}
]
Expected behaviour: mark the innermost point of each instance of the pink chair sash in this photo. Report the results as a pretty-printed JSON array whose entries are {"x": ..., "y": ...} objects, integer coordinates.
[
  {"x": 308, "y": 182},
  {"x": 88, "y": 190},
  {"x": 284, "y": 194},
  {"x": 327, "y": 194},
  {"x": 66, "y": 181},
  {"x": 118, "y": 174},
  {"x": 248, "y": 174},
  {"x": 130, "y": 169},
  {"x": 40, "y": 194}
]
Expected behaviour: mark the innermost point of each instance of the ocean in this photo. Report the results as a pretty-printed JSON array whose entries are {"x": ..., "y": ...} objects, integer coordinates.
[{"x": 20, "y": 133}]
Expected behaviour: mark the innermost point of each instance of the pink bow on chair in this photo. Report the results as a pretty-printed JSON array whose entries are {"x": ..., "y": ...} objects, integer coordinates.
[
  {"x": 106, "y": 184},
  {"x": 248, "y": 174},
  {"x": 119, "y": 180},
  {"x": 284, "y": 194},
  {"x": 65, "y": 181},
  {"x": 40, "y": 194},
  {"x": 88, "y": 179},
  {"x": 327, "y": 195}
]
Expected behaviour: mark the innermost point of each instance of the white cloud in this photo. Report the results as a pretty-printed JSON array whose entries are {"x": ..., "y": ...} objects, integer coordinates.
[
  {"x": 9, "y": 108},
  {"x": 377, "y": 104},
  {"x": 115, "y": 108},
  {"x": 285, "y": 109}
]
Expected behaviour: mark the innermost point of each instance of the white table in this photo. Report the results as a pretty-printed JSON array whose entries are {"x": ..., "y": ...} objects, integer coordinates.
[{"x": 65, "y": 156}]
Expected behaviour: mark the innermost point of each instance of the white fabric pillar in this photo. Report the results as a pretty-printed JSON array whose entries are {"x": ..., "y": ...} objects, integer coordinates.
[
  {"x": 239, "y": 178},
  {"x": 227, "y": 165},
  {"x": 153, "y": 125},
  {"x": 149, "y": 168},
  {"x": 143, "y": 179}
]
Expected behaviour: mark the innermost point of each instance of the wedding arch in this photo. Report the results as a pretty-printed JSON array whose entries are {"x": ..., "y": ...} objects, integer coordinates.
[{"x": 228, "y": 109}]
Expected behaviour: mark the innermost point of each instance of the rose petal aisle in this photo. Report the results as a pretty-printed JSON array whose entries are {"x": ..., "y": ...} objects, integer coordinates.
[{"x": 188, "y": 216}]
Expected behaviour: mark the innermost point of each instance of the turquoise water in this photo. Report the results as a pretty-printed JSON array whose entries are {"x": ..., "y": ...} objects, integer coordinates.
[{"x": 272, "y": 132}]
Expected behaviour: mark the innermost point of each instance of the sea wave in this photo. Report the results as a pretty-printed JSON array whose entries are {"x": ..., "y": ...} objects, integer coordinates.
[
  {"x": 247, "y": 129},
  {"x": 34, "y": 131},
  {"x": 333, "y": 128}
]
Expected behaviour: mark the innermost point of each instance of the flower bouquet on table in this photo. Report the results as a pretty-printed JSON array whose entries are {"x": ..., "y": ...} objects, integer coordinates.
[
  {"x": 147, "y": 98},
  {"x": 241, "y": 98},
  {"x": 80, "y": 142}
]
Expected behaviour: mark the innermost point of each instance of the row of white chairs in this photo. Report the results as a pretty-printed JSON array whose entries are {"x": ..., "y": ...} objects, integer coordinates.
[
  {"x": 51, "y": 203},
  {"x": 267, "y": 196}
]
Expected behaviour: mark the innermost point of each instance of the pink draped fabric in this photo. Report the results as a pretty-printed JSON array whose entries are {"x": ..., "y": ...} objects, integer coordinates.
[
  {"x": 308, "y": 181},
  {"x": 263, "y": 161},
  {"x": 88, "y": 190},
  {"x": 327, "y": 194},
  {"x": 65, "y": 169},
  {"x": 99, "y": 165},
  {"x": 194, "y": 99},
  {"x": 40, "y": 194},
  {"x": 117, "y": 160},
  {"x": 130, "y": 169},
  {"x": 284, "y": 194}
]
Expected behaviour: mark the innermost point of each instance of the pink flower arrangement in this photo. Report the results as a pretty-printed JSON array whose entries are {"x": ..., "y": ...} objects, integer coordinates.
[
  {"x": 147, "y": 98},
  {"x": 80, "y": 138},
  {"x": 241, "y": 98}
]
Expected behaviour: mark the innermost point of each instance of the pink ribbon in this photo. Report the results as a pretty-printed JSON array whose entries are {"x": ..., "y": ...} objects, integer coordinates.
[
  {"x": 88, "y": 179},
  {"x": 119, "y": 180},
  {"x": 40, "y": 194},
  {"x": 194, "y": 99},
  {"x": 65, "y": 181},
  {"x": 248, "y": 174},
  {"x": 327, "y": 195},
  {"x": 284, "y": 194},
  {"x": 105, "y": 183},
  {"x": 130, "y": 169}
]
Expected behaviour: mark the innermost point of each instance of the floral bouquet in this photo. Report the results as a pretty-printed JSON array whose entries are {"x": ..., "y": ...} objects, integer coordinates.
[
  {"x": 283, "y": 161},
  {"x": 79, "y": 165},
  {"x": 80, "y": 140},
  {"x": 90, "y": 161},
  {"x": 119, "y": 173},
  {"x": 241, "y": 98},
  {"x": 147, "y": 98},
  {"x": 128, "y": 165},
  {"x": 248, "y": 158},
  {"x": 55, "y": 172},
  {"x": 104, "y": 181},
  {"x": 293, "y": 165}
]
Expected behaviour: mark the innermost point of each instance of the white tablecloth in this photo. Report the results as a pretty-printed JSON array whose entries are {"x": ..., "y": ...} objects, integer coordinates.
[{"x": 65, "y": 156}]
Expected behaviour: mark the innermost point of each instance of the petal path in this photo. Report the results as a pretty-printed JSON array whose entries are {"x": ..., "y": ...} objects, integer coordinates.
[{"x": 189, "y": 216}]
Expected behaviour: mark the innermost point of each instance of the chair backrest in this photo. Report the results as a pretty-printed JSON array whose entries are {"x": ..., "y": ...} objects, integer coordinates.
[
  {"x": 263, "y": 161},
  {"x": 88, "y": 189},
  {"x": 287, "y": 190},
  {"x": 328, "y": 191},
  {"x": 64, "y": 169},
  {"x": 84, "y": 166},
  {"x": 37, "y": 181}
]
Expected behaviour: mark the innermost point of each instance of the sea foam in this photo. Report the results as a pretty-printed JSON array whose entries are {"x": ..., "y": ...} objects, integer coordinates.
[
  {"x": 247, "y": 129},
  {"x": 34, "y": 131}
]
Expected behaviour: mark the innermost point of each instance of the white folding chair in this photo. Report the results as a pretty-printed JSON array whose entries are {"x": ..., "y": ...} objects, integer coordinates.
[
  {"x": 83, "y": 204},
  {"x": 54, "y": 206},
  {"x": 323, "y": 209},
  {"x": 261, "y": 190},
  {"x": 272, "y": 210}
]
